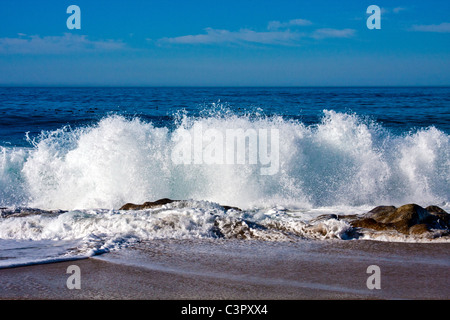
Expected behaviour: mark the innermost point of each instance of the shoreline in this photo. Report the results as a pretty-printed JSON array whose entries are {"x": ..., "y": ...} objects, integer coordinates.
[{"x": 241, "y": 270}]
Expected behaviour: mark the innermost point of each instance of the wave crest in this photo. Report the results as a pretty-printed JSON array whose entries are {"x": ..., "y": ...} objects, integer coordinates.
[{"x": 343, "y": 160}]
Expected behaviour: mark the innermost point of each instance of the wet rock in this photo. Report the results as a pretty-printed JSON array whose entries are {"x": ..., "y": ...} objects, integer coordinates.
[
  {"x": 324, "y": 217},
  {"x": 407, "y": 219},
  {"x": 230, "y": 208},
  {"x": 419, "y": 229},
  {"x": 161, "y": 202},
  {"x": 24, "y": 212},
  {"x": 435, "y": 210},
  {"x": 381, "y": 211},
  {"x": 369, "y": 223},
  {"x": 443, "y": 217},
  {"x": 147, "y": 205}
]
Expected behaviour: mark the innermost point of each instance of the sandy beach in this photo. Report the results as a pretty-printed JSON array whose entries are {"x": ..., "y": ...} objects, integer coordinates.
[{"x": 242, "y": 270}]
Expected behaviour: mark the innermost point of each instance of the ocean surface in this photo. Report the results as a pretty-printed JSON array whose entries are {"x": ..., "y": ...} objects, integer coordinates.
[{"x": 71, "y": 157}]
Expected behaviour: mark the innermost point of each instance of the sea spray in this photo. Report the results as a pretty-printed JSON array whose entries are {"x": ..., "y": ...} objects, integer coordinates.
[
  {"x": 13, "y": 188},
  {"x": 343, "y": 160}
]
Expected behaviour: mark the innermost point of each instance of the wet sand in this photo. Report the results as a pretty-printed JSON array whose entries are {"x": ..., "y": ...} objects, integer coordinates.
[{"x": 242, "y": 270}]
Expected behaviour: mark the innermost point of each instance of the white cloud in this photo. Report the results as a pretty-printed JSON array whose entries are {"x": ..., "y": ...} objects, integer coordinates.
[
  {"x": 68, "y": 43},
  {"x": 441, "y": 28},
  {"x": 214, "y": 36},
  {"x": 333, "y": 33},
  {"x": 384, "y": 11},
  {"x": 395, "y": 10},
  {"x": 278, "y": 33},
  {"x": 275, "y": 25},
  {"x": 398, "y": 9}
]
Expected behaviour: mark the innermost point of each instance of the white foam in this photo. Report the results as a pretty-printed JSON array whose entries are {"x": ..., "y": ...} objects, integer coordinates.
[{"x": 342, "y": 161}]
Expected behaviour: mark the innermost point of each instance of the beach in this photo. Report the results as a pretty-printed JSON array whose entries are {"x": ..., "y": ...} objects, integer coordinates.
[{"x": 242, "y": 270}]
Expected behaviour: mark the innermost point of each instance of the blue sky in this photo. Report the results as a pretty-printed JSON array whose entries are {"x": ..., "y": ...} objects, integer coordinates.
[{"x": 224, "y": 43}]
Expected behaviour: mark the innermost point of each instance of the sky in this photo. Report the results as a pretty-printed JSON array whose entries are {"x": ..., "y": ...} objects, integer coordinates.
[{"x": 224, "y": 43}]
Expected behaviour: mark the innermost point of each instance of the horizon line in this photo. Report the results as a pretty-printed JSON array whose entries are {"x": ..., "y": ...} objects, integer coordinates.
[{"x": 223, "y": 86}]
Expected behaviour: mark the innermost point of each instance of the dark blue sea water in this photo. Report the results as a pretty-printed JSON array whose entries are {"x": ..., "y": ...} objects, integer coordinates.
[{"x": 35, "y": 109}]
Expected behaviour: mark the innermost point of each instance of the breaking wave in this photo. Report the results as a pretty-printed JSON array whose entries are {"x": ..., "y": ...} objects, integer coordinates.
[{"x": 342, "y": 161}]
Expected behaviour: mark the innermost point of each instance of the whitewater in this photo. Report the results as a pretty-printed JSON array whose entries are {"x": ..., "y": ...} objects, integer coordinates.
[
  {"x": 63, "y": 193},
  {"x": 343, "y": 160}
]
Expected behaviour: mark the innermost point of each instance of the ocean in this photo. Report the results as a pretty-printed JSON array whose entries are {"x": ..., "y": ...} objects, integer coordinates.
[{"x": 282, "y": 157}]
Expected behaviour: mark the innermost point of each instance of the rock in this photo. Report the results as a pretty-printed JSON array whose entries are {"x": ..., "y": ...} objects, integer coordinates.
[
  {"x": 443, "y": 217},
  {"x": 404, "y": 217},
  {"x": 419, "y": 229},
  {"x": 435, "y": 210},
  {"x": 381, "y": 211},
  {"x": 24, "y": 212},
  {"x": 147, "y": 205},
  {"x": 324, "y": 217},
  {"x": 369, "y": 223},
  {"x": 158, "y": 203},
  {"x": 407, "y": 219},
  {"x": 229, "y": 208}
]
